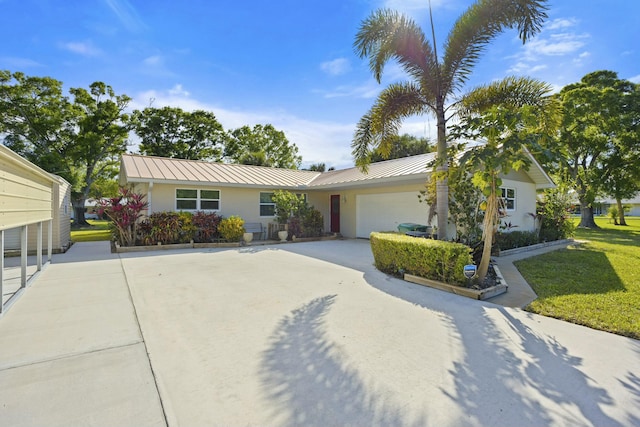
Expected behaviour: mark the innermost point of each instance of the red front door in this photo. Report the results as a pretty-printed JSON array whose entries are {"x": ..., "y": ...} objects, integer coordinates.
[{"x": 335, "y": 213}]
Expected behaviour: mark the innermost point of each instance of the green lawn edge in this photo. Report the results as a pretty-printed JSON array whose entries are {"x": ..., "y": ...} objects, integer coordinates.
[
  {"x": 596, "y": 284},
  {"x": 98, "y": 230}
]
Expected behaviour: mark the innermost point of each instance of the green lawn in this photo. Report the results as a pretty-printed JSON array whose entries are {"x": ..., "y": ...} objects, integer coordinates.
[
  {"x": 596, "y": 284},
  {"x": 97, "y": 231}
]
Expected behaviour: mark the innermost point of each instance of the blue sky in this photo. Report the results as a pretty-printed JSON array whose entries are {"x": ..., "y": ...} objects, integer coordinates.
[{"x": 284, "y": 62}]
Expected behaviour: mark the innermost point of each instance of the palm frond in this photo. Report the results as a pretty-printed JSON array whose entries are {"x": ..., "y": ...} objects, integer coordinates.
[
  {"x": 376, "y": 129},
  {"x": 511, "y": 91},
  {"x": 516, "y": 92},
  {"x": 479, "y": 25},
  {"x": 363, "y": 140},
  {"x": 386, "y": 35}
]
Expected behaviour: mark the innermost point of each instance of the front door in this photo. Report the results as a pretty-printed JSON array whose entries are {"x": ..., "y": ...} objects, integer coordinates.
[{"x": 335, "y": 213}]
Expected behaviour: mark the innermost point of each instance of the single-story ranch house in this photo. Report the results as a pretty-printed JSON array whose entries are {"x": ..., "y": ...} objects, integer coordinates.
[{"x": 353, "y": 203}]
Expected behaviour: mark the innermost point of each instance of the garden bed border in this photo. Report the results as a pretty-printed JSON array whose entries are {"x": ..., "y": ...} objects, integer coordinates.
[{"x": 477, "y": 294}]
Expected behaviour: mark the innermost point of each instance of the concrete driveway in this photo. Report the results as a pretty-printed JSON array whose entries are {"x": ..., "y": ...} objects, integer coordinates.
[{"x": 290, "y": 335}]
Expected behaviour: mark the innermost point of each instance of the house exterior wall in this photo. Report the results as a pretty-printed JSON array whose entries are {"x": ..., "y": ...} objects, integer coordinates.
[
  {"x": 348, "y": 211},
  {"x": 525, "y": 201},
  {"x": 245, "y": 201}
]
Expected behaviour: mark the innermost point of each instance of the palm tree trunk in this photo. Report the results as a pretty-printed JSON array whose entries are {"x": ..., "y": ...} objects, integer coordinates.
[{"x": 442, "y": 186}]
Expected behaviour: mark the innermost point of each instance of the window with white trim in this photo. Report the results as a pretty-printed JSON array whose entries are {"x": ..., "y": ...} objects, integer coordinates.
[
  {"x": 509, "y": 197},
  {"x": 191, "y": 199},
  {"x": 267, "y": 205}
]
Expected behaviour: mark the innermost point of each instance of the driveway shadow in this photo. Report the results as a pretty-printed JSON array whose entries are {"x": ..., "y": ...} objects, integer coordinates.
[
  {"x": 303, "y": 375},
  {"x": 509, "y": 370}
]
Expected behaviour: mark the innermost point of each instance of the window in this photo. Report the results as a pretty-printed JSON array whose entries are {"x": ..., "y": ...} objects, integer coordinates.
[
  {"x": 267, "y": 206},
  {"x": 509, "y": 198},
  {"x": 193, "y": 200}
]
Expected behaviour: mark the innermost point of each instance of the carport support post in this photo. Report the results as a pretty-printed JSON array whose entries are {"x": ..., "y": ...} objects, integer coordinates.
[
  {"x": 50, "y": 240},
  {"x": 1, "y": 269},
  {"x": 23, "y": 256},
  {"x": 39, "y": 246}
]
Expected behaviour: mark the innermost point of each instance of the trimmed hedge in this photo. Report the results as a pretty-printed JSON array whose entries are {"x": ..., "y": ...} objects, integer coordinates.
[
  {"x": 397, "y": 254},
  {"x": 515, "y": 239}
]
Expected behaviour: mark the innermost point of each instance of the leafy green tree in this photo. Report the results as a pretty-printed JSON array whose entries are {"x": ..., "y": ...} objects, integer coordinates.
[
  {"x": 261, "y": 145},
  {"x": 318, "y": 167},
  {"x": 596, "y": 131},
  {"x": 509, "y": 126},
  {"x": 102, "y": 132},
  {"x": 36, "y": 121},
  {"x": 434, "y": 80},
  {"x": 404, "y": 146},
  {"x": 621, "y": 177},
  {"x": 173, "y": 132},
  {"x": 78, "y": 139}
]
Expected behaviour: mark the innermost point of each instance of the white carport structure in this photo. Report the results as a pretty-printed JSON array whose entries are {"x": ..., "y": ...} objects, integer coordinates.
[{"x": 26, "y": 194}]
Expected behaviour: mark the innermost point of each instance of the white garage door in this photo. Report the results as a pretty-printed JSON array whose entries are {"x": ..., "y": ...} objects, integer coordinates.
[{"x": 383, "y": 212}]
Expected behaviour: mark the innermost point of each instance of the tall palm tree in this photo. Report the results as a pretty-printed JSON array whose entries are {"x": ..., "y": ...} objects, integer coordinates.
[{"x": 434, "y": 81}]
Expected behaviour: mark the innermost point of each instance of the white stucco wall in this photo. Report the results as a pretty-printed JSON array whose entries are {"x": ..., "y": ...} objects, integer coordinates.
[{"x": 245, "y": 202}]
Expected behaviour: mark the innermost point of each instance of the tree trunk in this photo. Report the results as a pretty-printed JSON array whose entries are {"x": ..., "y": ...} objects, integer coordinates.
[
  {"x": 442, "y": 186},
  {"x": 586, "y": 217},
  {"x": 621, "y": 220},
  {"x": 490, "y": 216},
  {"x": 78, "y": 212}
]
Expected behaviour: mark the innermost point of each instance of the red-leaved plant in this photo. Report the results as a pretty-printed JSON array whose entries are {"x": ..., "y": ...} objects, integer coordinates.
[{"x": 124, "y": 211}]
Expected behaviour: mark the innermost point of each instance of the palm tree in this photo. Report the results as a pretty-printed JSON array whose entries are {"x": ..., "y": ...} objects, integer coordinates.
[{"x": 434, "y": 81}]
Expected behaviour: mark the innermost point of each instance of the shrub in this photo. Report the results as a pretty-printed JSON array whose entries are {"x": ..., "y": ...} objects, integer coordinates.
[
  {"x": 231, "y": 229},
  {"x": 124, "y": 211},
  {"x": 555, "y": 212},
  {"x": 515, "y": 239},
  {"x": 287, "y": 204},
  {"x": 312, "y": 221},
  {"x": 206, "y": 224},
  {"x": 295, "y": 227},
  {"x": 432, "y": 259},
  {"x": 187, "y": 231},
  {"x": 161, "y": 227}
]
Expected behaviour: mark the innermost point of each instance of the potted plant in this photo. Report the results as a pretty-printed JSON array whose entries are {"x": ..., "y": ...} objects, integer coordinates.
[{"x": 286, "y": 204}]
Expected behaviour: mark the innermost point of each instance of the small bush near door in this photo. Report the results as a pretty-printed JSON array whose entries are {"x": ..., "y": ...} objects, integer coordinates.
[{"x": 432, "y": 259}]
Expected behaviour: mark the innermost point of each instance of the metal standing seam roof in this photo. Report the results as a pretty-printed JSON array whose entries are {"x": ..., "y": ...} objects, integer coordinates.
[
  {"x": 406, "y": 167},
  {"x": 137, "y": 168}
]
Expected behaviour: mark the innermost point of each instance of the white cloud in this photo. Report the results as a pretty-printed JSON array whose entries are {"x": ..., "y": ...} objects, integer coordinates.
[
  {"x": 554, "y": 45},
  {"x": 177, "y": 90},
  {"x": 635, "y": 79},
  {"x": 154, "y": 60},
  {"x": 367, "y": 90},
  {"x": 523, "y": 67},
  {"x": 82, "y": 48},
  {"x": 336, "y": 67},
  {"x": 126, "y": 14},
  {"x": 561, "y": 23}
]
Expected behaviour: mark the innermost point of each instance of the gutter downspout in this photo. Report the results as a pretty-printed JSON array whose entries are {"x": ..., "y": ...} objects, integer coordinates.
[{"x": 149, "y": 198}]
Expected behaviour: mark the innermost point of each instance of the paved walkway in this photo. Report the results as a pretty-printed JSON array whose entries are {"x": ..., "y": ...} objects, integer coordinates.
[{"x": 292, "y": 334}]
